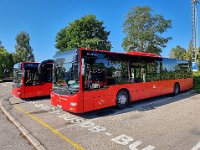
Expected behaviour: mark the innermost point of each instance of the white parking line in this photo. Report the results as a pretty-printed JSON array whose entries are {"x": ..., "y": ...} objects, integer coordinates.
[
  {"x": 87, "y": 124},
  {"x": 4, "y": 85},
  {"x": 69, "y": 126},
  {"x": 196, "y": 147}
]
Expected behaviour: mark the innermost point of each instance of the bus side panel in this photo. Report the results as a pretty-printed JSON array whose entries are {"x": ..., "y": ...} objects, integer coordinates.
[
  {"x": 166, "y": 87},
  {"x": 33, "y": 91},
  {"x": 47, "y": 89},
  {"x": 144, "y": 90},
  {"x": 38, "y": 90},
  {"x": 99, "y": 98},
  {"x": 185, "y": 84},
  {"x": 139, "y": 90},
  {"x": 88, "y": 101}
]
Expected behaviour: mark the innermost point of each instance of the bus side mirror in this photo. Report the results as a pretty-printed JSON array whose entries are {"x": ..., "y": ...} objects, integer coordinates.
[
  {"x": 83, "y": 67},
  {"x": 41, "y": 66}
]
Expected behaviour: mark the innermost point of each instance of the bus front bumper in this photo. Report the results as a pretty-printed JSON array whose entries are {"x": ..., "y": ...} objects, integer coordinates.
[{"x": 68, "y": 103}]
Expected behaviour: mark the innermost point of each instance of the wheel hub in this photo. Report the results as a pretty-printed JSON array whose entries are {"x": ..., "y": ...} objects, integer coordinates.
[{"x": 122, "y": 99}]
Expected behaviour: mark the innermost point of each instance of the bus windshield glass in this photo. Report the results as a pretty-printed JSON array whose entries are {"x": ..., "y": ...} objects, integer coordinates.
[
  {"x": 66, "y": 73},
  {"x": 32, "y": 76},
  {"x": 17, "y": 79}
]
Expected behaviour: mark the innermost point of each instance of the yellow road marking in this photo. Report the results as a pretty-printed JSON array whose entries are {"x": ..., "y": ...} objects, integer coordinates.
[{"x": 51, "y": 128}]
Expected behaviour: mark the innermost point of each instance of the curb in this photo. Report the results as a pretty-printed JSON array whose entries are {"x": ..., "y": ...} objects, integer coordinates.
[{"x": 22, "y": 129}]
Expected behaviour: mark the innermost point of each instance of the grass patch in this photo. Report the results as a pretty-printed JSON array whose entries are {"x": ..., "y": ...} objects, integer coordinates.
[{"x": 196, "y": 85}]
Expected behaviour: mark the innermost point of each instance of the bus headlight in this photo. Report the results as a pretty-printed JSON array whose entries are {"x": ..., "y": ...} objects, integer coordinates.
[{"x": 73, "y": 104}]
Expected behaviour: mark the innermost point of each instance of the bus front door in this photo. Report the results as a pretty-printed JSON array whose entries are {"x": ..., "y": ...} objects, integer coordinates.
[
  {"x": 98, "y": 98},
  {"x": 96, "y": 92}
]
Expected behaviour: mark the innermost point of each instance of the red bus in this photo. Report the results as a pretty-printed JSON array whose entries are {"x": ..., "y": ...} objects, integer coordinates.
[
  {"x": 32, "y": 79},
  {"x": 86, "y": 80}
]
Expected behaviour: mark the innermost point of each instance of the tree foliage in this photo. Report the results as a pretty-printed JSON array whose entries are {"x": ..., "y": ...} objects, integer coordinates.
[
  {"x": 6, "y": 60},
  {"x": 198, "y": 59},
  {"x": 178, "y": 52},
  {"x": 87, "y": 32},
  {"x": 24, "y": 52},
  {"x": 188, "y": 54},
  {"x": 143, "y": 31}
]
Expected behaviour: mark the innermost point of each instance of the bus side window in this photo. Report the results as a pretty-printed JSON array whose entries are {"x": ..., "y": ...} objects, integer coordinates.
[
  {"x": 138, "y": 74},
  {"x": 32, "y": 78},
  {"x": 132, "y": 75}
]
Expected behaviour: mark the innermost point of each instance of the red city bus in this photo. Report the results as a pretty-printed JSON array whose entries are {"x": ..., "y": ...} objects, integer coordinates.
[
  {"x": 32, "y": 79},
  {"x": 86, "y": 80}
]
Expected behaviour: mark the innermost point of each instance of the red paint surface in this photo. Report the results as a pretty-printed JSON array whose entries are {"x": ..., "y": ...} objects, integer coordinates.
[
  {"x": 32, "y": 91},
  {"x": 101, "y": 98},
  {"x": 43, "y": 89}
]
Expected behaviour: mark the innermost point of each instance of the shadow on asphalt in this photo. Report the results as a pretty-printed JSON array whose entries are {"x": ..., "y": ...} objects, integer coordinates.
[
  {"x": 36, "y": 98},
  {"x": 142, "y": 105}
]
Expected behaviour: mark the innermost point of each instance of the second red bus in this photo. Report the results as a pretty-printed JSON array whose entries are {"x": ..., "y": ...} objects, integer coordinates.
[{"x": 32, "y": 79}]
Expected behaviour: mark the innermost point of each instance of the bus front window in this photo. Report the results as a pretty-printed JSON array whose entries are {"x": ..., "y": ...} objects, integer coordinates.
[
  {"x": 17, "y": 73},
  {"x": 17, "y": 80},
  {"x": 66, "y": 73},
  {"x": 31, "y": 75}
]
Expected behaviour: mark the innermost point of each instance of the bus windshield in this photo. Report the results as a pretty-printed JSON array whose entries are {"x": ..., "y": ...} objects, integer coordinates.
[
  {"x": 17, "y": 80},
  {"x": 32, "y": 76},
  {"x": 66, "y": 73}
]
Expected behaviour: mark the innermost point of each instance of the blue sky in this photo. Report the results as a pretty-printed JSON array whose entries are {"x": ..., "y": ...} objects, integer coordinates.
[{"x": 43, "y": 19}]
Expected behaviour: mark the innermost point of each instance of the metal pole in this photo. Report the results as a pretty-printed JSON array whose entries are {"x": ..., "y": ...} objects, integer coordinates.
[{"x": 195, "y": 29}]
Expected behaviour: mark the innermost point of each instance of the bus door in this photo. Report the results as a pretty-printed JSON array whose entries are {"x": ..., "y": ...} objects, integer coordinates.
[
  {"x": 32, "y": 82},
  {"x": 97, "y": 98},
  {"x": 153, "y": 77},
  {"x": 96, "y": 92},
  {"x": 45, "y": 73},
  {"x": 141, "y": 88}
]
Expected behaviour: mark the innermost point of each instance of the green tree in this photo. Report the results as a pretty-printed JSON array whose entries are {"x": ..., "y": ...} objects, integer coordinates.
[
  {"x": 24, "y": 52},
  {"x": 198, "y": 60},
  {"x": 143, "y": 31},
  {"x": 86, "y": 32},
  {"x": 178, "y": 52},
  {"x": 1, "y": 46},
  {"x": 6, "y": 60},
  {"x": 188, "y": 54}
]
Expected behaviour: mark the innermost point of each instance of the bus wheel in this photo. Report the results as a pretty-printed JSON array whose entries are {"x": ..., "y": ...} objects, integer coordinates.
[
  {"x": 122, "y": 99},
  {"x": 176, "y": 89}
]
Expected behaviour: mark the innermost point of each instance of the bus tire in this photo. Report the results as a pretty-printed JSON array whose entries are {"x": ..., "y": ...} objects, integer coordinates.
[
  {"x": 122, "y": 99},
  {"x": 176, "y": 89}
]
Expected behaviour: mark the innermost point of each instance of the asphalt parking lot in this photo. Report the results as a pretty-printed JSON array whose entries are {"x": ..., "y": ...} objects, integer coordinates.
[{"x": 164, "y": 123}]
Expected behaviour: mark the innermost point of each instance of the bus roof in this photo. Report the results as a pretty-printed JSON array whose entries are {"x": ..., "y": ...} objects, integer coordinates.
[
  {"x": 29, "y": 62},
  {"x": 134, "y": 53},
  {"x": 20, "y": 64}
]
